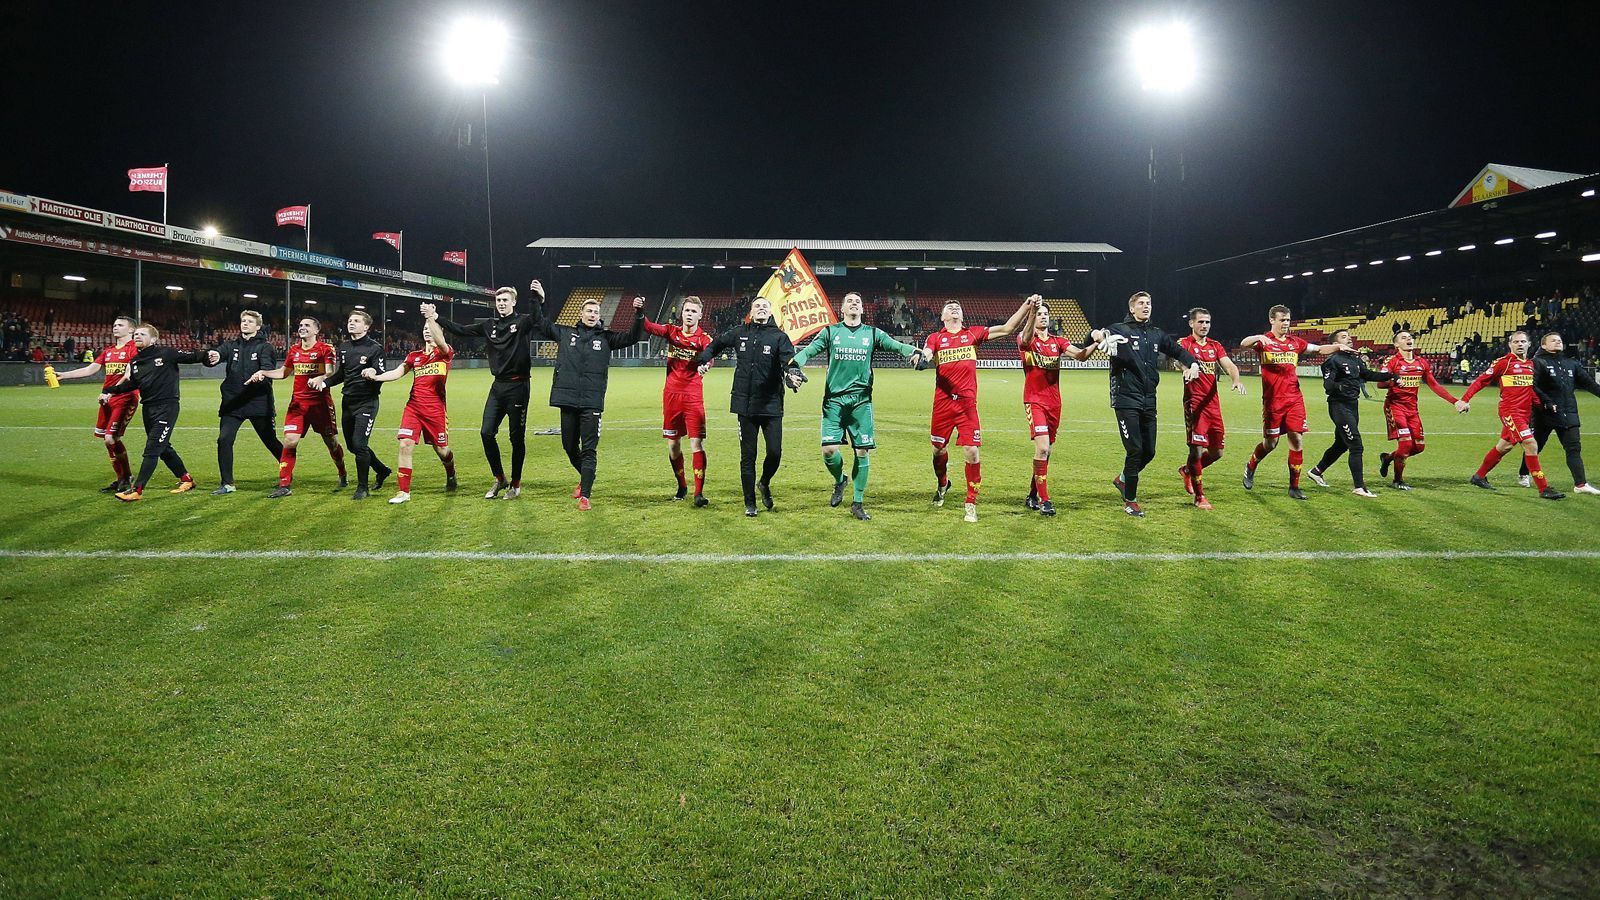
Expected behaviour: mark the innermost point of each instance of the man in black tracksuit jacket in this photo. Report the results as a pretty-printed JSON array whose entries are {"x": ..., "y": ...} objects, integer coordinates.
[
  {"x": 1134, "y": 345},
  {"x": 1343, "y": 375},
  {"x": 762, "y": 353},
  {"x": 1556, "y": 379},
  {"x": 578, "y": 387},
  {"x": 358, "y": 403},
  {"x": 153, "y": 372},
  {"x": 507, "y": 337},
  {"x": 243, "y": 356}
]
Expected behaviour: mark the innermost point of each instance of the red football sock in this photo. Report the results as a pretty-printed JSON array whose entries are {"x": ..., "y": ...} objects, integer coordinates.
[
  {"x": 116, "y": 463},
  {"x": 1207, "y": 458},
  {"x": 677, "y": 471},
  {"x": 699, "y": 471},
  {"x": 1490, "y": 460},
  {"x": 286, "y": 466},
  {"x": 449, "y": 465},
  {"x": 404, "y": 482},
  {"x": 1297, "y": 461},
  {"x": 337, "y": 451},
  {"x": 1402, "y": 452},
  {"x": 974, "y": 478},
  {"x": 1041, "y": 471},
  {"x": 122, "y": 460},
  {"x": 1536, "y": 470},
  {"x": 1260, "y": 453},
  {"x": 941, "y": 464}
]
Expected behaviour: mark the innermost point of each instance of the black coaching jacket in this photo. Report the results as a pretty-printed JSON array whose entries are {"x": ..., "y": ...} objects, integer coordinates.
[
  {"x": 1556, "y": 379},
  {"x": 583, "y": 358},
  {"x": 761, "y": 353}
]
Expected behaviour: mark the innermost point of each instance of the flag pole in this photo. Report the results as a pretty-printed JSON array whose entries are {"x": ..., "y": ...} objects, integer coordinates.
[
  {"x": 308, "y": 228},
  {"x": 402, "y": 251},
  {"x": 166, "y": 191}
]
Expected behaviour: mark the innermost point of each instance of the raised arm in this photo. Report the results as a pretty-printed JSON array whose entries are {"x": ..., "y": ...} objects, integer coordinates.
[
  {"x": 476, "y": 329},
  {"x": 1030, "y": 324},
  {"x": 883, "y": 341},
  {"x": 1010, "y": 326},
  {"x": 83, "y": 371},
  {"x": 655, "y": 329},
  {"x": 823, "y": 341},
  {"x": 435, "y": 331},
  {"x": 634, "y": 334}
]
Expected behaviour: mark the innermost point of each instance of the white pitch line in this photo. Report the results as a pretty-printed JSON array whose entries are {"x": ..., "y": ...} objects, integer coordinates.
[{"x": 725, "y": 558}]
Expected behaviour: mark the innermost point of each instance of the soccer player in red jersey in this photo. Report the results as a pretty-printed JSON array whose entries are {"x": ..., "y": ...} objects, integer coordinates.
[
  {"x": 1041, "y": 354},
  {"x": 954, "y": 352},
  {"x": 309, "y": 408},
  {"x": 424, "y": 417},
  {"x": 1515, "y": 373},
  {"x": 683, "y": 405},
  {"x": 1400, "y": 406},
  {"x": 1283, "y": 407},
  {"x": 117, "y": 412},
  {"x": 1202, "y": 409}
]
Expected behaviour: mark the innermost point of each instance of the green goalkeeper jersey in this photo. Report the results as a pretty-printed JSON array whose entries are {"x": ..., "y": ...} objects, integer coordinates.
[{"x": 850, "y": 351}]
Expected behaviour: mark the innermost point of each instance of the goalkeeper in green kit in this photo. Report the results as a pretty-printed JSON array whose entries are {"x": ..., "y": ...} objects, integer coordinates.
[{"x": 847, "y": 394}]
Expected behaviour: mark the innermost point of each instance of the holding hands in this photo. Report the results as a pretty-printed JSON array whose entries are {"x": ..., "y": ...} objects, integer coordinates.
[
  {"x": 1462, "y": 406},
  {"x": 536, "y": 288},
  {"x": 369, "y": 373},
  {"x": 213, "y": 357},
  {"x": 430, "y": 311}
]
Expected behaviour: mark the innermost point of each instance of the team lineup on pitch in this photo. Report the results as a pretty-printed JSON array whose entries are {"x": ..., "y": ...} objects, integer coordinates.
[{"x": 1537, "y": 398}]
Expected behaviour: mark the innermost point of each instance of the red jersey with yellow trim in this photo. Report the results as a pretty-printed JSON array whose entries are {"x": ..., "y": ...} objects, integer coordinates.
[
  {"x": 1202, "y": 391},
  {"x": 1280, "y": 358},
  {"x": 116, "y": 359},
  {"x": 1411, "y": 374},
  {"x": 429, "y": 369},
  {"x": 1515, "y": 374},
  {"x": 956, "y": 358},
  {"x": 1041, "y": 368},
  {"x": 683, "y": 376},
  {"x": 303, "y": 364}
]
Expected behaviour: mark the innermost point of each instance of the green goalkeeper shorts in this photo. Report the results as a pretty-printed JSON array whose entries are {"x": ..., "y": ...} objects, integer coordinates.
[{"x": 845, "y": 415}]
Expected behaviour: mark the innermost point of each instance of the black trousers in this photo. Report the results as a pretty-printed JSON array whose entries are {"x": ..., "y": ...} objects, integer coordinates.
[
  {"x": 506, "y": 399},
  {"x": 266, "y": 427},
  {"x": 769, "y": 429},
  {"x": 159, "y": 421},
  {"x": 356, "y": 419},
  {"x": 1346, "y": 438},
  {"x": 1570, "y": 441},
  {"x": 580, "y": 437},
  {"x": 1137, "y": 427}
]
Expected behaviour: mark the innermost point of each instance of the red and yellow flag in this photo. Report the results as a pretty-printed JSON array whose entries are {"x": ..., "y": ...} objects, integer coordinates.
[{"x": 799, "y": 305}]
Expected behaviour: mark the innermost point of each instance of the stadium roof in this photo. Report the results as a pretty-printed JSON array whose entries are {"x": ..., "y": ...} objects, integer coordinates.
[
  {"x": 1569, "y": 207},
  {"x": 1497, "y": 180},
  {"x": 842, "y": 246}
]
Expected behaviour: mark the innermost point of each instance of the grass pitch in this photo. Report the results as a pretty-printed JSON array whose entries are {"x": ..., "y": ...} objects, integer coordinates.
[{"x": 681, "y": 719}]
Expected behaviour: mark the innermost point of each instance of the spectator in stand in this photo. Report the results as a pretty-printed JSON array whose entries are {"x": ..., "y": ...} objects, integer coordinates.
[
  {"x": 50, "y": 322},
  {"x": 37, "y": 355}
]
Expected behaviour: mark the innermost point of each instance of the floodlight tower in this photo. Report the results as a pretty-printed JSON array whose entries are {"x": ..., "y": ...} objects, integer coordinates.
[
  {"x": 474, "y": 50},
  {"x": 1164, "y": 60}
]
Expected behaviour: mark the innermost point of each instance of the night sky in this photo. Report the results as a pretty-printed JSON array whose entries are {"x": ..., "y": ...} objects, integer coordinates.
[{"x": 1014, "y": 120}]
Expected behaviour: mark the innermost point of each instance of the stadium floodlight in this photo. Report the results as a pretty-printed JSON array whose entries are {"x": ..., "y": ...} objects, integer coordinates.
[
  {"x": 901, "y": 268},
  {"x": 209, "y": 231},
  {"x": 311, "y": 303},
  {"x": 870, "y": 268},
  {"x": 1304, "y": 274},
  {"x": 747, "y": 267},
  {"x": 73, "y": 278},
  {"x": 1255, "y": 282},
  {"x": 563, "y": 265},
  {"x": 1022, "y": 268},
  {"x": 1503, "y": 241},
  {"x": 1081, "y": 270},
  {"x": 359, "y": 306},
  {"x": 1405, "y": 258},
  {"x": 991, "y": 269},
  {"x": 1351, "y": 266},
  {"x": 1545, "y": 235},
  {"x": 652, "y": 265},
  {"x": 687, "y": 266},
  {"x": 1376, "y": 262},
  {"x": 718, "y": 266},
  {"x": 1588, "y": 193},
  {"x": 400, "y": 312},
  {"x": 1591, "y": 257},
  {"x": 1289, "y": 277},
  {"x": 964, "y": 268},
  {"x": 1164, "y": 57},
  {"x": 1466, "y": 247},
  {"x": 1052, "y": 270},
  {"x": 173, "y": 287},
  {"x": 1433, "y": 253},
  {"x": 474, "y": 49},
  {"x": 1270, "y": 280},
  {"x": 928, "y": 268},
  {"x": 249, "y": 296},
  {"x": 1327, "y": 270},
  {"x": 624, "y": 265},
  {"x": 597, "y": 265}
]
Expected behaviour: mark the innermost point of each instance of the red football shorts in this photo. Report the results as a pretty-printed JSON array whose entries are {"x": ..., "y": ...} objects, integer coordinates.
[
  {"x": 1204, "y": 426},
  {"x": 1042, "y": 420},
  {"x": 1404, "y": 424},
  {"x": 1514, "y": 428},
  {"x": 1283, "y": 415},
  {"x": 960, "y": 416},
  {"x": 425, "y": 426},
  {"x": 306, "y": 416},
  {"x": 115, "y": 414},
  {"x": 683, "y": 416}
]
